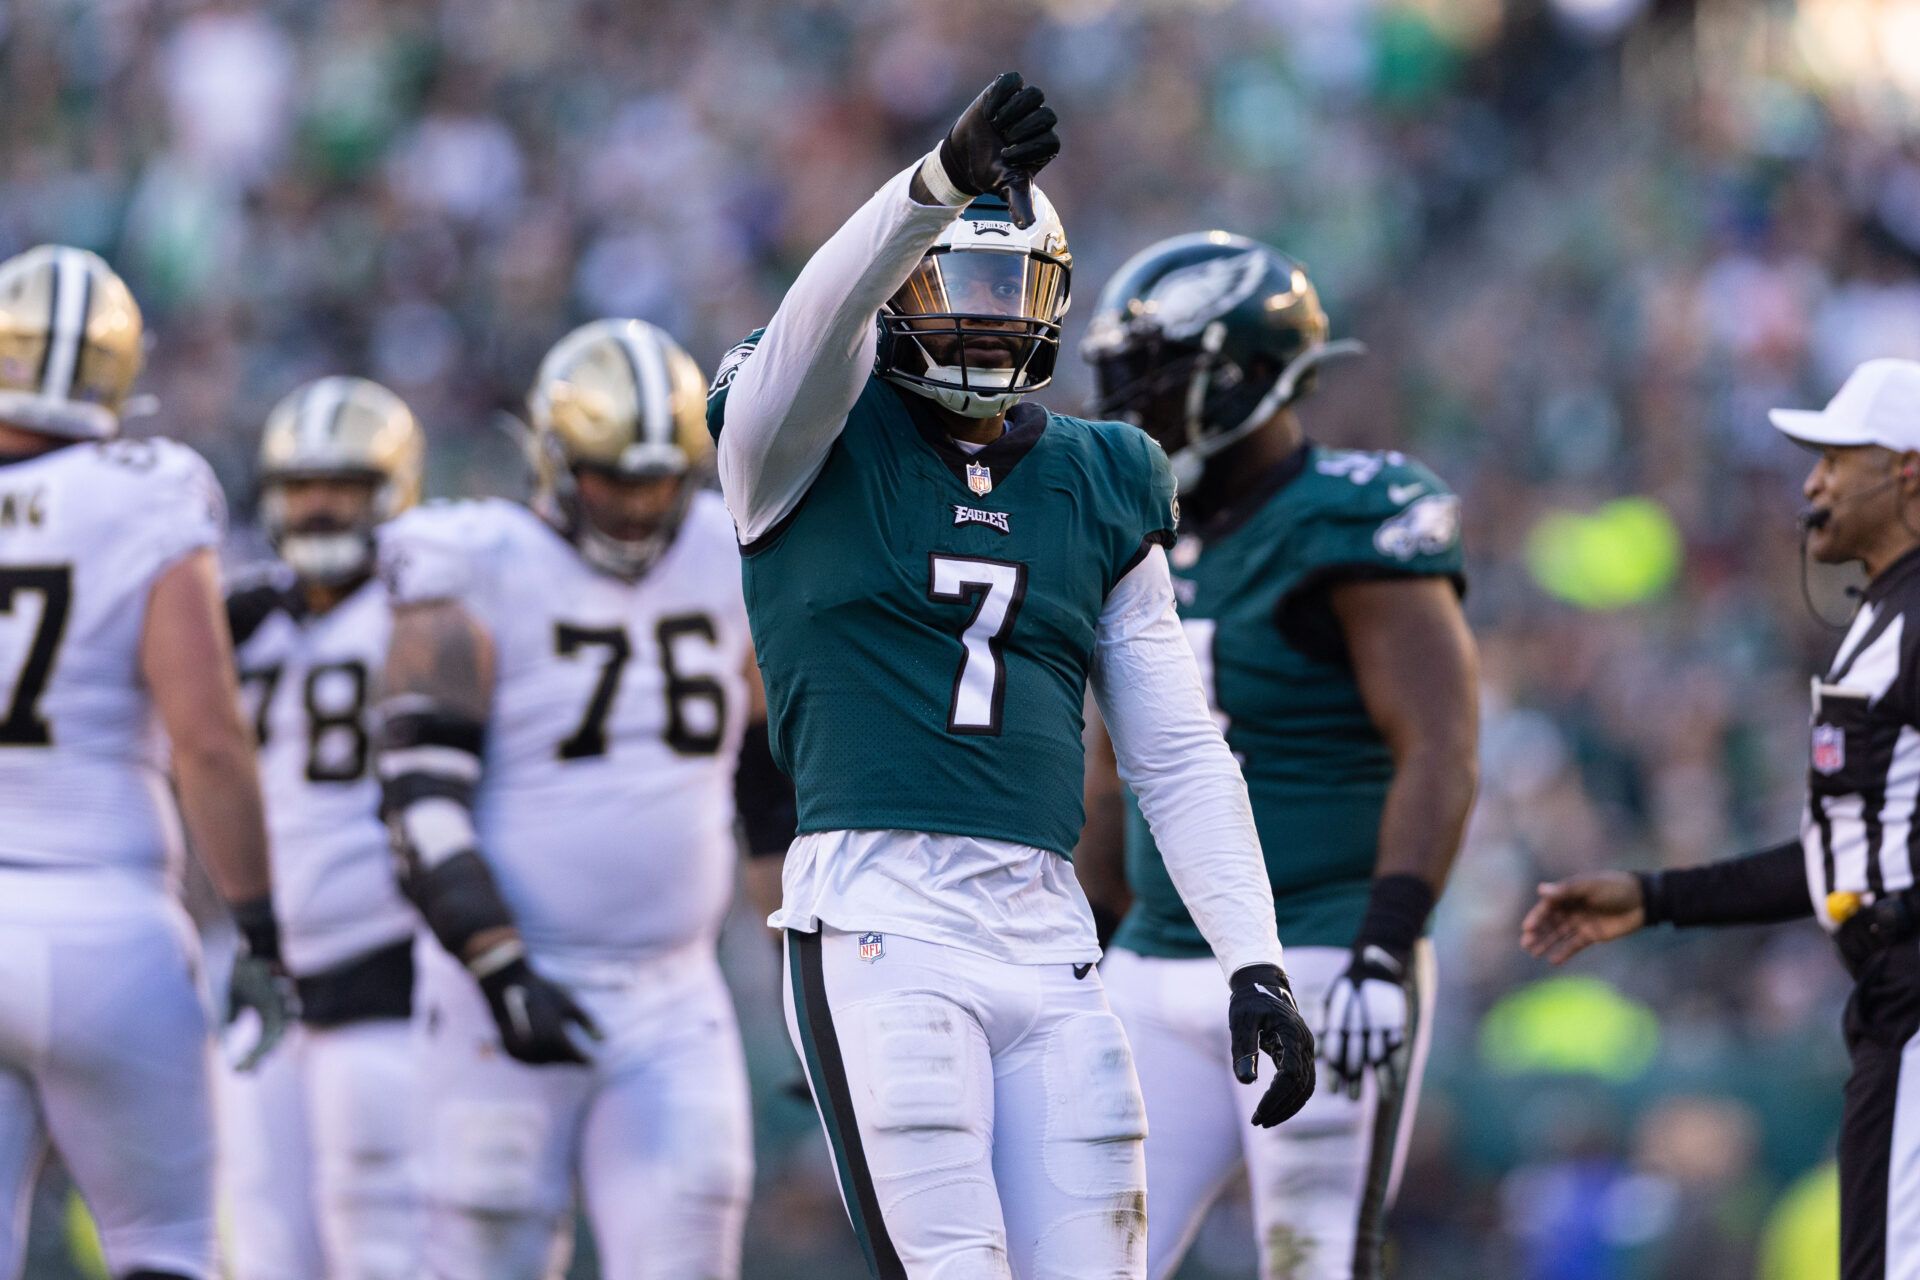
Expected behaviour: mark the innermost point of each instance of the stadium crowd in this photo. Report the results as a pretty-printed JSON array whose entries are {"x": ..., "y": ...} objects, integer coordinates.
[{"x": 1585, "y": 261}]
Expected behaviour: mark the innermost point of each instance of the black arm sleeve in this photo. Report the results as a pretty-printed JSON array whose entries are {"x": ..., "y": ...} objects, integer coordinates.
[
  {"x": 1761, "y": 888},
  {"x": 763, "y": 797}
]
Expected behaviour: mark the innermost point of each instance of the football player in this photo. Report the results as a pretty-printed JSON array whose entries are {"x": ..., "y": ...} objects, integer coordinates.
[
  {"x": 1320, "y": 590},
  {"x": 567, "y": 689},
  {"x": 315, "y": 1172},
  {"x": 114, "y": 661},
  {"x": 936, "y": 568}
]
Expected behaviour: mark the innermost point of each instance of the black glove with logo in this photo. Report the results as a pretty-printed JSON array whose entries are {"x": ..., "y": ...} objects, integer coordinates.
[
  {"x": 539, "y": 1022},
  {"x": 1262, "y": 1018},
  {"x": 1003, "y": 138}
]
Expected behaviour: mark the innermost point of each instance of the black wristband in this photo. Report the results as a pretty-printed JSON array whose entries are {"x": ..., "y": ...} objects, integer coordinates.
[
  {"x": 459, "y": 901},
  {"x": 1653, "y": 896},
  {"x": 1397, "y": 912},
  {"x": 259, "y": 931}
]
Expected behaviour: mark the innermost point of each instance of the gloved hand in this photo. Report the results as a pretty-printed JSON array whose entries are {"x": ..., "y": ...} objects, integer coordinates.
[
  {"x": 259, "y": 982},
  {"x": 1363, "y": 1021},
  {"x": 1003, "y": 138},
  {"x": 1262, "y": 1017},
  {"x": 539, "y": 1022}
]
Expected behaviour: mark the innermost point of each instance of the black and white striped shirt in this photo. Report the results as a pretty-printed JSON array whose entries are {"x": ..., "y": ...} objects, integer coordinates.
[{"x": 1859, "y": 831}]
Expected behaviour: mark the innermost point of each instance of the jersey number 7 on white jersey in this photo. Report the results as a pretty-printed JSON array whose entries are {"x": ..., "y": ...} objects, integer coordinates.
[{"x": 34, "y": 634}]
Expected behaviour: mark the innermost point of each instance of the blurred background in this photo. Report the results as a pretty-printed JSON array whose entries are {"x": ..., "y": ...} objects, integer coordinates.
[{"x": 1589, "y": 242}]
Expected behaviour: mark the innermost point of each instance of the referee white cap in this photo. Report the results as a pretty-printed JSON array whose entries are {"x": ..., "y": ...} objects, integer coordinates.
[{"x": 1879, "y": 403}]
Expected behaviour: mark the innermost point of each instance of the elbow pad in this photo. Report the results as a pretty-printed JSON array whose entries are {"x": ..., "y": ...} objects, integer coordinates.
[
  {"x": 763, "y": 797},
  {"x": 429, "y": 765}
]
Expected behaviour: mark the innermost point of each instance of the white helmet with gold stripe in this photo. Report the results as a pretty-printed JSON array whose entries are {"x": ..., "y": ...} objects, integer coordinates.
[
  {"x": 338, "y": 428},
  {"x": 620, "y": 398},
  {"x": 69, "y": 343}
]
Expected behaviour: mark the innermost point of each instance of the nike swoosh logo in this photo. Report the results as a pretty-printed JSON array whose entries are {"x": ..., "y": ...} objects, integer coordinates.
[{"x": 1401, "y": 494}]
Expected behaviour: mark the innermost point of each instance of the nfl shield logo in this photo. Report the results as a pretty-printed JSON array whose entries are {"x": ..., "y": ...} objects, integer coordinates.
[
  {"x": 871, "y": 947},
  {"x": 1829, "y": 748},
  {"x": 979, "y": 479}
]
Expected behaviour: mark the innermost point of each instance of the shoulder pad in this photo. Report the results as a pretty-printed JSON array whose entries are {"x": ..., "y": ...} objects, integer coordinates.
[
  {"x": 250, "y": 606},
  {"x": 723, "y": 376}
]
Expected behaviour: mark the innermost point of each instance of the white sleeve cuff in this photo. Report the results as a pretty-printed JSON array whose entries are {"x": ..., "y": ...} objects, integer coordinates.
[{"x": 939, "y": 185}]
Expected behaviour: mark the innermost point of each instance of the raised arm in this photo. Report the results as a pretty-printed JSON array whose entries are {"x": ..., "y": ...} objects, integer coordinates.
[
  {"x": 785, "y": 396},
  {"x": 1171, "y": 753}
]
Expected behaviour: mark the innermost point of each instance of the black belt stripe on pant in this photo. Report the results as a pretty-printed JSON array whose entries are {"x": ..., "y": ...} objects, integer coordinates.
[{"x": 828, "y": 1072}]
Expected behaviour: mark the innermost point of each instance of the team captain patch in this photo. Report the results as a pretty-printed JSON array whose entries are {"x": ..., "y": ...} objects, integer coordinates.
[
  {"x": 974, "y": 515},
  {"x": 872, "y": 947}
]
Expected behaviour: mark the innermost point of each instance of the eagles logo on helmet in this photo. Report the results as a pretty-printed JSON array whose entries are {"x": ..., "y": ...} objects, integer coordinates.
[
  {"x": 1200, "y": 339},
  {"x": 622, "y": 400}
]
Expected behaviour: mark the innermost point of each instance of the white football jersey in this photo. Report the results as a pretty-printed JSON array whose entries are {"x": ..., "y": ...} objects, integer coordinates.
[
  {"x": 605, "y": 807},
  {"x": 85, "y": 531},
  {"x": 309, "y": 684}
]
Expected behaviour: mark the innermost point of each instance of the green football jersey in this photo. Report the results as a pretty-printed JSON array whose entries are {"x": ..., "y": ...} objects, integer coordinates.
[
  {"x": 1252, "y": 593},
  {"x": 925, "y": 617}
]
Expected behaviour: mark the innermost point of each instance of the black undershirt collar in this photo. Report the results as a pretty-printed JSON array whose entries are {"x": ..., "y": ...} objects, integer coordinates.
[{"x": 1026, "y": 423}]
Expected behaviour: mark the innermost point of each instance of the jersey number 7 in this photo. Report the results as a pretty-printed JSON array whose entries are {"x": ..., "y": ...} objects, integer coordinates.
[
  {"x": 996, "y": 588},
  {"x": 24, "y": 726}
]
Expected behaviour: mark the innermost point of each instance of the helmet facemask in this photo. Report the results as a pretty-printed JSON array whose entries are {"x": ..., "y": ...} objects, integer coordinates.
[
  {"x": 323, "y": 551},
  {"x": 1201, "y": 340},
  {"x": 976, "y": 327},
  {"x": 568, "y": 510},
  {"x": 617, "y": 399}
]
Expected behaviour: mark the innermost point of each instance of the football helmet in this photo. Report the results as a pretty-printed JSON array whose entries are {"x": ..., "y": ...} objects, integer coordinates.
[
  {"x": 70, "y": 343},
  {"x": 338, "y": 428},
  {"x": 621, "y": 398},
  {"x": 1202, "y": 338},
  {"x": 988, "y": 284}
]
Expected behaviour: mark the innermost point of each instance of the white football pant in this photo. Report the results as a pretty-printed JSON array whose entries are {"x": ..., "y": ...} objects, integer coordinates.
[
  {"x": 1322, "y": 1181},
  {"x": 103, "y": 1052},
  {"x": 984, "y": 1116},
  {"x": 657, "y": 1133},
  {"x": 316, "y": 1180}
]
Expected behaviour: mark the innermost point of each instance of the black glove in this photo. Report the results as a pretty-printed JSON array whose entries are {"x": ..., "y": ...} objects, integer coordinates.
[
  {"x": 259, "y": 982},
  {"x": 1261, "y": 1016},
  {"x": 539, "y": 1022},
  {"x": 1003, "y": 138}
]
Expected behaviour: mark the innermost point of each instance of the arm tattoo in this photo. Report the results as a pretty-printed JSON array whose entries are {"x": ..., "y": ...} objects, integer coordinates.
[{"x": 439, "y": 652}]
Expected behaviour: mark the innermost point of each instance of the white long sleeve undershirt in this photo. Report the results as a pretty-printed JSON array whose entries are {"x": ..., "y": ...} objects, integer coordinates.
[
  {"x": 790, "y": 398},
  {"x": 1171, "y": 752}
]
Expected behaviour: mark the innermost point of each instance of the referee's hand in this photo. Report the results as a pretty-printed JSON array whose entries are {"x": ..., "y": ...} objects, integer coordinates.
[{"x": 1577, "y": 912}]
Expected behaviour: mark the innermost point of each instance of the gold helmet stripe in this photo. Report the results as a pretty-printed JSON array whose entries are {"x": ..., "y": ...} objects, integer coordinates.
[
  {"x": 651, "y": 383},
  {"x": 68, "y": 304}
]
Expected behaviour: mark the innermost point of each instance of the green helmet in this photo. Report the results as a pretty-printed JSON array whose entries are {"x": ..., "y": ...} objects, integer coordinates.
[{"x": 1201, "y": 338}]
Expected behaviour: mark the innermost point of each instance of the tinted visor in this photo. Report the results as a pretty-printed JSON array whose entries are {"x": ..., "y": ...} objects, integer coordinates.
[{"x": 984, "y": 284}]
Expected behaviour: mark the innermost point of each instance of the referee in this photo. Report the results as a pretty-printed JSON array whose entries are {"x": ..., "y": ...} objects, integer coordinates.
[{"x": 1854, "y": 865}]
